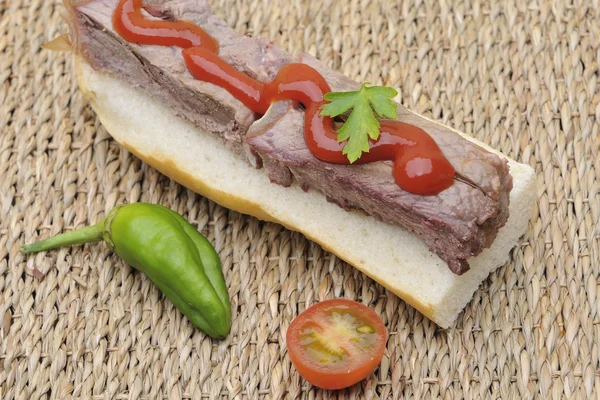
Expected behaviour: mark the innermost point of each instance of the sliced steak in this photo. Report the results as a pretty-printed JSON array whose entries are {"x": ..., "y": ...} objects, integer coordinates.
[{"x": 456, "y": 224}]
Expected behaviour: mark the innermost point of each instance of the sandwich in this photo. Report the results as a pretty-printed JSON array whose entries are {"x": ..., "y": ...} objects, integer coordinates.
[{"x": 153, "y": 73}]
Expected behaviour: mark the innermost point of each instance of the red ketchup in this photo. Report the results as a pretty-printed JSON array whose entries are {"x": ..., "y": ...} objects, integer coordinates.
[{"x": 419, "y": 165}]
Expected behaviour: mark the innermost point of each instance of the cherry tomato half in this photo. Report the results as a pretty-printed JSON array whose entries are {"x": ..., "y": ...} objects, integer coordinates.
[{"x": 336, "y": 343}]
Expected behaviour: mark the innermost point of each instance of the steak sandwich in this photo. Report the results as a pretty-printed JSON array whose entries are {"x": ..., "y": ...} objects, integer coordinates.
[{"x": 201, "y": 115}]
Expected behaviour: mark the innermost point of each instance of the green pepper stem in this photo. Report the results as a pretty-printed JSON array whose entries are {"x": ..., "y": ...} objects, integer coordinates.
[{"x": 88, "y": 234}]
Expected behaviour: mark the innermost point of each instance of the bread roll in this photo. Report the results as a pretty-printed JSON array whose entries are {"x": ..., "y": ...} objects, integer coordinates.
[{"x": 389, "y": 254}]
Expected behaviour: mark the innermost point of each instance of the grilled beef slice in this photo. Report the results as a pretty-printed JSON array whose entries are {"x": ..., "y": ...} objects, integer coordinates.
[{"x": 456, "y": 224}]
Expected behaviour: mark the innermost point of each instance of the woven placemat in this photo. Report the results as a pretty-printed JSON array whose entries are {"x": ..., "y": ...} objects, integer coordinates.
[{"x": 79, "y": 323}]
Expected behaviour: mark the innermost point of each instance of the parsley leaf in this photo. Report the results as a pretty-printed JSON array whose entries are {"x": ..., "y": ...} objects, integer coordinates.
[{"x": 362, "y": 124}]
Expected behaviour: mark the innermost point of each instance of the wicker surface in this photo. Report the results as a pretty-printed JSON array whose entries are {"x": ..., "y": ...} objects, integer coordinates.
[{"x": 522, "y": 76}]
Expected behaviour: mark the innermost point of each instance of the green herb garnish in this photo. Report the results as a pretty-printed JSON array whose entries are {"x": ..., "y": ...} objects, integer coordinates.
[{"x": 362, "y": 124}]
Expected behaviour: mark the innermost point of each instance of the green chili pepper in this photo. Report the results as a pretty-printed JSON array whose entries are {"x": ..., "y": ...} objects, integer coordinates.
[{"x": 167, "y": 248}]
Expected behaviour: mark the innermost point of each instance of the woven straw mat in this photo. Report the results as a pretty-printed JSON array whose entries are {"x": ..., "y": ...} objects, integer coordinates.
[{"x": 78, "y": 323}]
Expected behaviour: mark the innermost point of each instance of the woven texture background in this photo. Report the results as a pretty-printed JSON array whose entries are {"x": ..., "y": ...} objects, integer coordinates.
[{"x": 79, "y": 323}]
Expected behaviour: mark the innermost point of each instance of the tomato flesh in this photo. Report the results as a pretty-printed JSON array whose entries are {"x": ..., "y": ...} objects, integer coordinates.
[{"x": 336, "y": 343}]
